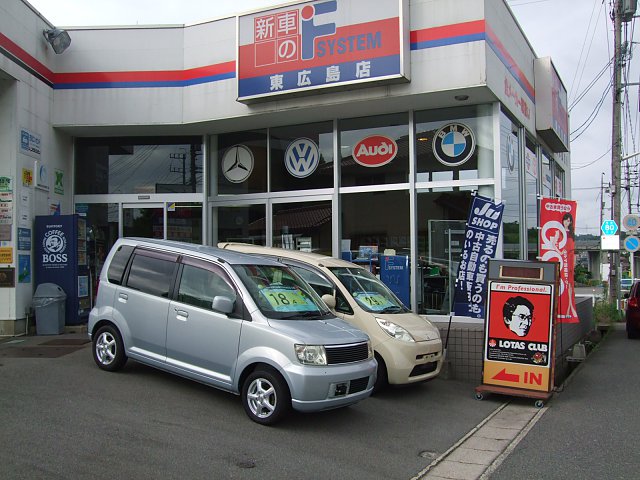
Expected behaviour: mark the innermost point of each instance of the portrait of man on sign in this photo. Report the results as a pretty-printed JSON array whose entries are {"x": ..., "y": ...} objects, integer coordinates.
[{"x": 517, "y": 314}]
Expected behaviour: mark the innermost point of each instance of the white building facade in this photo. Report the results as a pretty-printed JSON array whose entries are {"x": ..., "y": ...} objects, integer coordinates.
[{"x": 331, "y": 125}]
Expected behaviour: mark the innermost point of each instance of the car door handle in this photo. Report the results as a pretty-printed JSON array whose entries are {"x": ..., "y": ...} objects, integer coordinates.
[
  {"x": 182, "y": 315},
  {"x": 123, "y": 297}
]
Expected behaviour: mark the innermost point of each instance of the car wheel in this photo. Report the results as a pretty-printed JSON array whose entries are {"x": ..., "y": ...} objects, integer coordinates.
[
  {"x": 631, "y": 334},
  {"x": 265, "y": 397},
  {"x": 108, "y": 349},
  {"x": 382, "y": 378}
]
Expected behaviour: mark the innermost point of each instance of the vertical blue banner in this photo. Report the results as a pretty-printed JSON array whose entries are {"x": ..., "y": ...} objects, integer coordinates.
[
  {"x": 394, "y": 273},
  {"x": 480, "y": 244}
]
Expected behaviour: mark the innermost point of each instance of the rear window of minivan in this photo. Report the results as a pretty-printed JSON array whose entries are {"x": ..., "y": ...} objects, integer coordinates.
[{"x": 118, "y": 264}]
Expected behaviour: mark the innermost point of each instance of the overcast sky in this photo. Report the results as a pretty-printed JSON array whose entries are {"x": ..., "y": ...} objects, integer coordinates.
[{"x": 576, "y": 34}]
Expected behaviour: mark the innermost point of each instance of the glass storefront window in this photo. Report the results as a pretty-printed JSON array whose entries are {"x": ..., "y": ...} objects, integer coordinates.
[
  {"x": 531, "y": 196},
  {"x": 510, "y": 179},
  {"x": 184, "y": 222},
  {"x": 301, "y": 157},
  {"x": 303, "y": 226},
  {"x": 246, "y": 223},
  {"x": 102, "y": 232},
  {"x": 367, "y": 147},
  {"x": 241, "y": 163},
  {"x": 454, "y": 144},
  {"x": 373, "y": 222},
  {"x": 140, "y": 220},
  {"x": 138, "y": 165},
  {"x": 442, "y": 218}
]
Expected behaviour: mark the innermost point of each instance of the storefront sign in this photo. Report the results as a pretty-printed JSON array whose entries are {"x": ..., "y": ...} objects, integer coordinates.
[
  {"x": 5, "y": 233},
  {"x": 6, "y": 255},
  {"x": 518, "y": 335},
  {"x": 481, "y": 240},
  {"x": 24, "y": 268},
  {"x": 237, "y": 163},
  {"x": 321, "y": 44},
  {"x": 42, "y": 176},
  {"x": 30, "y": 143},
  {"x": 375, "y": 151},
  {"x": 6, "y": 213},
  {"x": 302, "y": 157},
  {"x": 454, "y": 144},
  {"x": 7, "y": 277},
  {"x": 6, "y": 184},
  {"x": 552, "y": 117},
  {"x": 557, "y": 244},
  {"x": 24, "y": 238},
  {"x": 394, "y": 273},
  {"x": 27, "y": 177},
  {"x": 58, "y": 186}
]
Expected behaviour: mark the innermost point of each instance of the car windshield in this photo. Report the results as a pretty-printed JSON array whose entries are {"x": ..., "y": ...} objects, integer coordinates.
[
  {"x": 368, "y": 291},
  {"x": 280, "y": 293}
]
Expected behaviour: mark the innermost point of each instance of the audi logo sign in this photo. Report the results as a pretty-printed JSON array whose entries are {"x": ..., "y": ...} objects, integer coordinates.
[{"x": 375, "y": 151}]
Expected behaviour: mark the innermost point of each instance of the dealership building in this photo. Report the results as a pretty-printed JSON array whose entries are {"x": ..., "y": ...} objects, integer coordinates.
[{"x": 347, "y": 127}]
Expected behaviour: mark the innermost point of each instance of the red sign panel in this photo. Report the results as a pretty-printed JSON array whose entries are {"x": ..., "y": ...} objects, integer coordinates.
[
  {"x": 518, "y": 335},
  {"x": 375, "y": 151},
  {"x": 557, "y": 244}
]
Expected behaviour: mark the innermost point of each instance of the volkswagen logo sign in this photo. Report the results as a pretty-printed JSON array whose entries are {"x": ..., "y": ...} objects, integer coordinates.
[
  {"x": 454, "y": 144},
  {"x": 302, "y": 157}
]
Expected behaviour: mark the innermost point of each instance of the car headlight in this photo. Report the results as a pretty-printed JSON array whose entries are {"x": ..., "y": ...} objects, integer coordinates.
[
  {"x": 311, "y": 354},
  {"x": 395, "y": 331}
]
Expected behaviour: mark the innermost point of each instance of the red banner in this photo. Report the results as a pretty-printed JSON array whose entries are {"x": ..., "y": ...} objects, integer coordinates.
[{"x": 557, "y": 244}]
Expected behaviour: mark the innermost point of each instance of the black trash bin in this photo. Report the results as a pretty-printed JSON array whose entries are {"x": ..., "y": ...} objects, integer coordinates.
[{"x": 48, "y": 303}]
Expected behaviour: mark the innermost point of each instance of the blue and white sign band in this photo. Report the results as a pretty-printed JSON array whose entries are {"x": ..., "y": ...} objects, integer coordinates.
[
  {"x": 481, "y": 240},
  {"x": 320, "y": 44}
]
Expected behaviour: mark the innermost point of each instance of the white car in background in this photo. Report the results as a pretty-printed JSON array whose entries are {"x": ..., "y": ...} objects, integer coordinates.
[{"x": 408, "y": 347}]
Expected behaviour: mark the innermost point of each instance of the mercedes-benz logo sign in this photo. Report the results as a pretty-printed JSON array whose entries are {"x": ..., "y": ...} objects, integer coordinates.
[
  {"x": 454, "y": 144},
  {"x": 237, "y": 163},
  {"x": 302, "y": 157}
]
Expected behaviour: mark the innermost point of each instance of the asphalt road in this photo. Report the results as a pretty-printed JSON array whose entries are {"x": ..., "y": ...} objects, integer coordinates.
[
  {"x": 591, "y": 429},
  {"x": 63, "y": 418}
]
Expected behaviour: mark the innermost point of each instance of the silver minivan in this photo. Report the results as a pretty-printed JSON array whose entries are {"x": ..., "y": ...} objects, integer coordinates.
[{"x": 247, "y": 325}]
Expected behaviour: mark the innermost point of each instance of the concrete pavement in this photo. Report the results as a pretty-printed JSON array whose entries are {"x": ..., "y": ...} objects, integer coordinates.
[{"x": 563, "y": 439}]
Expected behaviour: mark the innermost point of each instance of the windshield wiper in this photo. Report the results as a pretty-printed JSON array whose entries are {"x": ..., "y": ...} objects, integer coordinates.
[
  {"x": 392, "y": 309},
  {"x": 310, "y": 315}
]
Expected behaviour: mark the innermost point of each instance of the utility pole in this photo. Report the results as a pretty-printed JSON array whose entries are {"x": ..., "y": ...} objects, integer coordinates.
[{"x": 616, "y": 146}]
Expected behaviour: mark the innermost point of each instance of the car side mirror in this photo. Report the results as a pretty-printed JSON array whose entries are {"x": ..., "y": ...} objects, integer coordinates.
[
  {"x": 222, "y": 304},
  {"x": 330, "y": 300},
  {"x": 626, "y": 295}
]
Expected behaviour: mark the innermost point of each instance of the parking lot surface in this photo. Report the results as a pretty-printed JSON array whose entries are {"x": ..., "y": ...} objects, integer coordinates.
[{"x": 62, "y": 417}]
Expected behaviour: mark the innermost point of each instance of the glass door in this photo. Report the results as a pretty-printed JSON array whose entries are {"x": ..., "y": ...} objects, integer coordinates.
[{"x": 143, "y": 220}]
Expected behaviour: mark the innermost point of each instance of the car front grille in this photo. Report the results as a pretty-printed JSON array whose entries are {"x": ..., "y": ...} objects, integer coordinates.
[
  {"x": 358, "y": 385},
  {"x": 424, "y": 368},
  {"x": 355, "y": 352}
]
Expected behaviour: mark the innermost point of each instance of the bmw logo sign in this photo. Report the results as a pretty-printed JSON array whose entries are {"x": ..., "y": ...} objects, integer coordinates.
[
  {"x": 454, "y": 144},
  {"x": 302, "y": 157}
]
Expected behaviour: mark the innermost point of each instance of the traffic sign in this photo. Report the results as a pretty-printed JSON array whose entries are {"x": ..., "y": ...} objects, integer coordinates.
[
  {"x": 632, "y": 243},
  {"x": 631, "y": 222},
  {"x": 609, "y": 227}
]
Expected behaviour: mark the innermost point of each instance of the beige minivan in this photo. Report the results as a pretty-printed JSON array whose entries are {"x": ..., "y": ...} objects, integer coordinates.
[{"x": 407, "y": 346}]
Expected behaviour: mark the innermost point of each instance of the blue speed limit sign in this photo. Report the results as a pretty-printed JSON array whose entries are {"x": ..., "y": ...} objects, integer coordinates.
[
  {"x": 632, "y": 243},
  {"x": 609, "y": 227}
]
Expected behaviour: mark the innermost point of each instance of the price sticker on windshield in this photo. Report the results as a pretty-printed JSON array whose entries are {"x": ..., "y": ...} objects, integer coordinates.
[
  {"x": 372, "y": 300},
  {"x": 283, "y": 299}
]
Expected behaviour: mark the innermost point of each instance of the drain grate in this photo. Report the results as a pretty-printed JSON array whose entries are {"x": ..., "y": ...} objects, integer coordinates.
[
  {"x": 37, "y": 351},
  {"x": 66, "y": 341}
]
